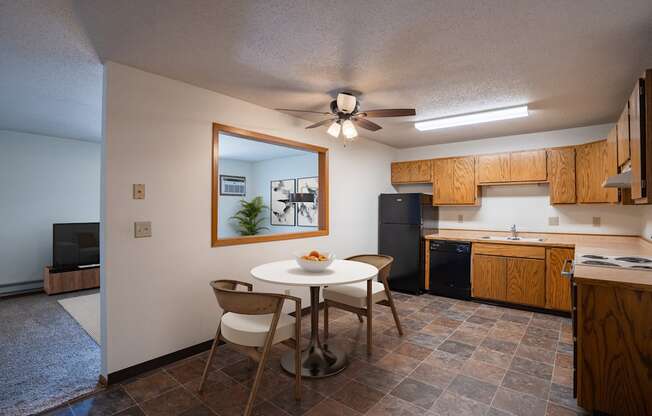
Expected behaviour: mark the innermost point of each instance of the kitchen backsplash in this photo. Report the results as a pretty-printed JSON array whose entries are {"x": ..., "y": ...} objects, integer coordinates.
[{"x": 528, "y": 207}]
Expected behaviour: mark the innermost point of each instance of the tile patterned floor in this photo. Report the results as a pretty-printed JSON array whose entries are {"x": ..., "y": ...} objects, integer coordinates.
[{"x": 456, "y": 358}]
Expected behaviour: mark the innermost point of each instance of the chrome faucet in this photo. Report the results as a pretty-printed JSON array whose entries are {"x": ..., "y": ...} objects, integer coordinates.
[{"x": 513, "y": 230}]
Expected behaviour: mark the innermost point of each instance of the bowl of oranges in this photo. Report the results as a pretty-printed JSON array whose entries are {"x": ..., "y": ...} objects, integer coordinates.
[{"x": 314, "y": 261}]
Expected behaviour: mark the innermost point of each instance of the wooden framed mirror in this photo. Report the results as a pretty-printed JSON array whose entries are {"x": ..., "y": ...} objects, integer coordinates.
[{"x": 266, "y": 188}]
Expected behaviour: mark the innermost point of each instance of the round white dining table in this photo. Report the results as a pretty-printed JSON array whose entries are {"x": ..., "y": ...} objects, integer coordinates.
[{"x": 318, "y": 360}]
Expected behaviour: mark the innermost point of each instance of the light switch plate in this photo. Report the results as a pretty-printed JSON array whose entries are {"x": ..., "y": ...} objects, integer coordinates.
[
  {"x": 553, "y": 220},
  {"x": 139, "y": 191},
  {"x": 596, "y": 221},
  {"x": 142, "y": 229}
]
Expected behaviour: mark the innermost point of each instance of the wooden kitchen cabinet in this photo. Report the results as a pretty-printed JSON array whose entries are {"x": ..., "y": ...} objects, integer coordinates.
[
  {"x": 489, "y": 277},
  {"x": 526, "y": 281},
  {"x": 493, "y": 168},
  {"x": 558, "y": 288},
  {"x": 614, "y": 346},
  {"x": 622, "y": 128},
  {"x": 400, "y": 172},
  {"x": 453, "y": 181},
  {"x": 509, "y": 250},
  {"x": 416, "y": 171},
  {"x": 612, "y": 148},
  {"x": 529, "y": 166},
  {"x": 561, "y": 175},
  {"x": 637, "y": 145},
  {"x": 592, "y": 169},
  {"x": 520, "y": 274}
]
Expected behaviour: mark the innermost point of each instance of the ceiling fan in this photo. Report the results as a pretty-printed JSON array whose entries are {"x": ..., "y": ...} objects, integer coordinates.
[{"x": 345, "y": 115}]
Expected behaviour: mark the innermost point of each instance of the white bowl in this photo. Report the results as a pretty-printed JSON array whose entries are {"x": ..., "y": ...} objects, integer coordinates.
[{"x": 314, "y": 266}]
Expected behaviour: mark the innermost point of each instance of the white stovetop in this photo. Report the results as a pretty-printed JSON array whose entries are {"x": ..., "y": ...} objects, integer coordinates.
[{"x": 624, "y": 261}]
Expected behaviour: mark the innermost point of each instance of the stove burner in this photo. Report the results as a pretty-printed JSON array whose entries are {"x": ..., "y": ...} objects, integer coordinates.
[
  {"x": 593, "y": 256},
  {"x": 634, "y": 259},
  {"x": 599, "y": 263},
  {"x": 641, "y": 267}
]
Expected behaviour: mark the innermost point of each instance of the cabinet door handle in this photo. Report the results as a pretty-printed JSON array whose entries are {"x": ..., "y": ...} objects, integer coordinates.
[{"x": 568, "y": 272}]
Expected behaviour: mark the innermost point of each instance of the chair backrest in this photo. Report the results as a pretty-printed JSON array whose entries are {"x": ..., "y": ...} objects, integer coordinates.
[
  {"x": 245, "y": 303},
  {"x": 382, "y": 262}
]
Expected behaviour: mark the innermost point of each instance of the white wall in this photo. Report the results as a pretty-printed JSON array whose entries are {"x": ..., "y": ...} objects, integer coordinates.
[
  {"x": 509, "y": 143},
  {"x": 527, "y": 206},
  {"x": 158, "y": 132},
  {"x": 43, "y": 180}
]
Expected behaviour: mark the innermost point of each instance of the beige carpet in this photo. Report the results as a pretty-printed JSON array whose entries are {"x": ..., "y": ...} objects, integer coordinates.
[{"x": 86, "y": 311}]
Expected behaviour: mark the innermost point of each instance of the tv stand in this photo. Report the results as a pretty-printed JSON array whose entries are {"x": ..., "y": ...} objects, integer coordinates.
[{"x": 69, "y": 281}]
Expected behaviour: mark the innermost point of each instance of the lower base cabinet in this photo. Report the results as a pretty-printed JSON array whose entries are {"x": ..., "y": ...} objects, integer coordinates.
[
  {"x": 526, "y": 281},
  {"x": 523, "y": 275},
  {"x": 489, "y": 277},
  {"x": 614, "y": 346},
  {"x": 558, "y": 292}
]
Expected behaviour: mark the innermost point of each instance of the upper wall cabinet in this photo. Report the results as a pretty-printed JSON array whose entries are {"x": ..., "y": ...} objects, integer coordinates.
[
  {"x": 519, "y": 167},
  {"x": 528, "y": 166},
  {"x": 640, "y": 139},
  {"x": 493, "y": 168},
  {"x": 561, "y": 175},
  {"x": 622, "y": 128},
  {"x": 417, "y": 171},
  {"x": 592, "y": 168},
  {"x": 453, "y": 181}
]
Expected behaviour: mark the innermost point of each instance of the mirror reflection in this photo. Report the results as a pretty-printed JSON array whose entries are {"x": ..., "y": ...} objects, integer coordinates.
[{"x": 265, "y": 188}]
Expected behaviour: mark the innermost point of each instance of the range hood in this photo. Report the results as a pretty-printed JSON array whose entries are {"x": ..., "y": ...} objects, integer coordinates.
[{"x": 622, "y": 180}]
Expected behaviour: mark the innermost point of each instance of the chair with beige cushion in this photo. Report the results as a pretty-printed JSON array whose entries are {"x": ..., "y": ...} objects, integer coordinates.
[
  {"x": 359, "y": 298},
  {"x": 255, "y": 320}
]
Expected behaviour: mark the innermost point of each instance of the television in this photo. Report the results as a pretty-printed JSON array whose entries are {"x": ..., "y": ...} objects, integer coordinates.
[{"x": 75, "y": 246}]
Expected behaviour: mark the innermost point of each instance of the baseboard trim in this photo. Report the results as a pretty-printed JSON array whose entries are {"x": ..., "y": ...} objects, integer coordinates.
[
  {"x": 153, "y": 364},
  {"x": 19, "y": 288},
  {"x": 522, "y": 307}
]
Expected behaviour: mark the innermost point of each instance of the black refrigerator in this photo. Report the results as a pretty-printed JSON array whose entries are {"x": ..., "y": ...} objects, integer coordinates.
[{"x": 403, "y": 220}]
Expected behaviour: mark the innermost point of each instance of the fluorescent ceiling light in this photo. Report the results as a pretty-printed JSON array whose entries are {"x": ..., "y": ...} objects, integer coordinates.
[{"x": 475, "y": 118}]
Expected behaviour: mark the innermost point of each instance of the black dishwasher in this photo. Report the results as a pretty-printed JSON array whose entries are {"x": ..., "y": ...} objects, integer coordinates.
[{"x": 450, "y": 269}]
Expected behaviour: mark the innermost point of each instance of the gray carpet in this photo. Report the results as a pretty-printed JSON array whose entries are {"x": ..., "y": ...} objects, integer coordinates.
[{"x": 46, "y": 358}]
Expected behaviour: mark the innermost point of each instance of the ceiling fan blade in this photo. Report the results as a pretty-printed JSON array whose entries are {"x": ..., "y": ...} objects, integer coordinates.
[
  {"x": 321, "y": 123},
  {"x": 303, "y": 111},
  {"x": 390, "y": 112},
  {"x": 366, "y": 124}
]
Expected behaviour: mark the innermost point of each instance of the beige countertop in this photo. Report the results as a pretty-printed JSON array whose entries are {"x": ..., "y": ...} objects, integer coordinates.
[{"x": 582, "y": 243}]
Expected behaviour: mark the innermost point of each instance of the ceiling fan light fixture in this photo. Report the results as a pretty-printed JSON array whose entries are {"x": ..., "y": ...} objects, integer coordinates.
[
  {"x": 475, "y": 118},
  {"x": 334, "y": 129},
  {"x": 348, "y": 129},
  {"x": 346, "y": 102}
]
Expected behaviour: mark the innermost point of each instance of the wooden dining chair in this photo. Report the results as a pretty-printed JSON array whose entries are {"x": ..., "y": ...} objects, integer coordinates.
[
  {"x": 255, "y": 320},
  {"x": 359, "y": 298}
]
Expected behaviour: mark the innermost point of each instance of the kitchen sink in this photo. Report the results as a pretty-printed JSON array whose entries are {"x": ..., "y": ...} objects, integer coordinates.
[{"x": 523, "y": 239}]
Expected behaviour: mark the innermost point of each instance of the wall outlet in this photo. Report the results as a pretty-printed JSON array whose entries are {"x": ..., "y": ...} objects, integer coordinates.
[
  {"x": 596, "y": 221},
  {"x": 460, "y": 218},
  {"x": 553, "y": 220},
  {"x": 139, "y": 191},
  {"x": 142, "y": 229}
]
